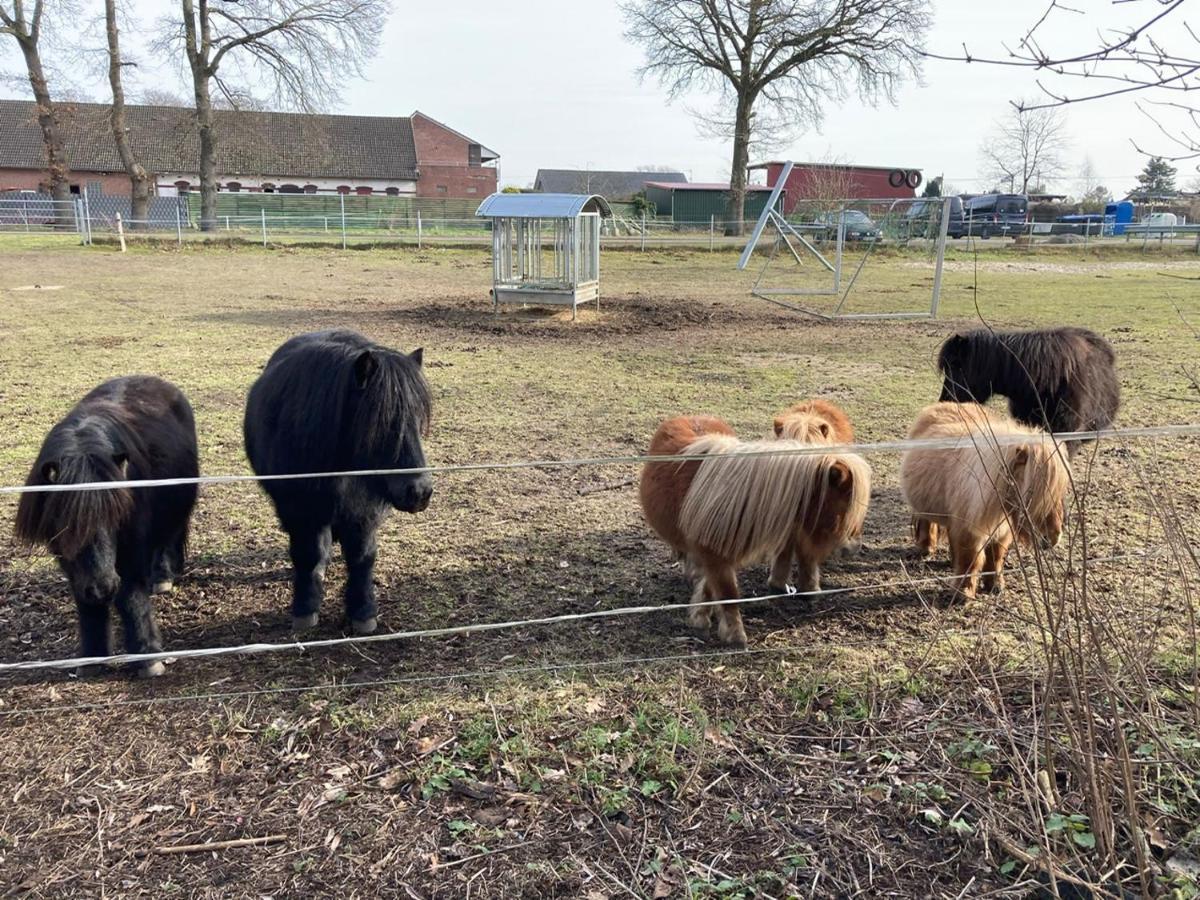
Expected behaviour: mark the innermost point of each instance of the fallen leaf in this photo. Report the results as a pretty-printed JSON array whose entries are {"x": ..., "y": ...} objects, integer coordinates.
[
  {"x": 427, "y": 745},
  {"x": 414, "y": 727},
  {"x": 491, "y": 816},
  {"x": 662, "y": 887},
  {"x": 393, "y": 779},
  {"x": 716, "y": 736},
  {"x": 593, "y": 705}
]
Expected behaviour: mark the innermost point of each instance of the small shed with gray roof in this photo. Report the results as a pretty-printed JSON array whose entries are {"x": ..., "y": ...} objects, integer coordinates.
[{"x": 545, "y": 248}]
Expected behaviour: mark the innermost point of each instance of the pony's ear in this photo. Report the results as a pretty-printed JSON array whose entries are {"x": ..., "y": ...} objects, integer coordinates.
[
  {"x": 778, "y": 426},
  {"x": 418, "y": 356},
  {"x": 840, "y": 475},
  {"x": 50, "y": 472},
  {"x": 121, "y": 461},
  {"x": 364, "y": 367},
  {"x": 1020, "y": 457},
  {"x": 824, "y": 426}
]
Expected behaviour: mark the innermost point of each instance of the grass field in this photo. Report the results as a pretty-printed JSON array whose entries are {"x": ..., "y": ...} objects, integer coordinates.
[{"x": 855, "y": 750}]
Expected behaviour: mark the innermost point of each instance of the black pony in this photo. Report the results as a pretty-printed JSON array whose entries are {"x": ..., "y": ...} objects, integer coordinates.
[
  {"x": 333, "y": 401},
  {"x": 117, "y": 546},
  {"x": 1061, "y": 379}
]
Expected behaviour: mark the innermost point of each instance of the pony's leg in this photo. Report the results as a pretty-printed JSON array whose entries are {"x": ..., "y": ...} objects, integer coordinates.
[
  {"x": 169, "y": 560},
  {"x": 722, "y": 585},
  {"x": 966, "y": 550},
  {"x": 781, "y": 571},
  {"x": 94, "y": 634},
  {"x": 925, "y": 537},
  {"x": 141, "y": 631},
  {"x": 309, "y": 548},
  {"x": 993, "y": 565},
  {"x": 360, "y": 548},
  {"x": 810, "y": 571},
  {"x": 700, "y": 616}
]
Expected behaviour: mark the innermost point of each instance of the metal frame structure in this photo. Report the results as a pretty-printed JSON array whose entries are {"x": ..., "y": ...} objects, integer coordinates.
[
  {"x": 786, "y": 232},
  {"x": 545, "y": 248}
]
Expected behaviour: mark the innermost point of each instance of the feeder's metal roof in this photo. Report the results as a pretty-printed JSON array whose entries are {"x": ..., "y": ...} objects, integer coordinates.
[{"x": 542, "y": 206}]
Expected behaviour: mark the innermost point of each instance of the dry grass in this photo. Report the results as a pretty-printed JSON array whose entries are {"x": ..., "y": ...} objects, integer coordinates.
[{"x": 844, "y": 754}]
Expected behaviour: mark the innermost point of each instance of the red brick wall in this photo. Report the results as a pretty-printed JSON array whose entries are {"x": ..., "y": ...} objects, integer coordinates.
[
  {"x": 113, "y": 185},
  {"x": 442, "y": 162},
  {"x": 807, "y": 181}
]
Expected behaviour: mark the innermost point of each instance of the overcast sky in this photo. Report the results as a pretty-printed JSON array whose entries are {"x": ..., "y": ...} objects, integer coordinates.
[{"x": 552, "y": 83}]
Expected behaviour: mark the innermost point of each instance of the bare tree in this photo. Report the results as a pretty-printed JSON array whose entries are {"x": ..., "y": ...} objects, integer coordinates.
[
  {"x": 160, "y": 96},
  {"x": 299, "y": 51},
  {"x": 27, "y": 27},
  {"x": 1088, "y": 179},
  {"x": 1026, "y": 150},
  {"x": 139, "y": 178},
  {"x": 1154, "y": 58},
  {"x": 776, "y": 59}
]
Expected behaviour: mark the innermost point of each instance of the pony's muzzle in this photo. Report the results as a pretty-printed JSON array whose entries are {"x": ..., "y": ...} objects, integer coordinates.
[{"x": 414, "y": 495}]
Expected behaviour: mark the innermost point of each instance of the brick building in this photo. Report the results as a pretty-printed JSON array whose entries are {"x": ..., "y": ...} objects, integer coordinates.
[
  {"x": 843, "y": 182},
  {"x": 269, "y": 152}
]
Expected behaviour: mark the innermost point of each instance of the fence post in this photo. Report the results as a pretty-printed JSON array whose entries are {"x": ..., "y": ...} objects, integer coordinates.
[
  {"x": 327, "y": 224},
  {"x": 418, "y": 229},
  {"x": 712, "y": 231},
  {"x": 227, "y": 223},
  {"x": 643, "y": 231},
  {"x": 77, "y": 210},
  {"x": 264, "y": 225},
  {"x": 178, "y": 225},
  {"x": 342, "y": 198},
  {"x": 87, "y": 217},
  {"x": 121, "y": 232}
]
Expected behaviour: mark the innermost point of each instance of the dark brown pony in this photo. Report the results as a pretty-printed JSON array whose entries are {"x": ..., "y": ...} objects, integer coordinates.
[
  {"x": 116, "y": 546},
  {"x": 742, "y": 504},
  {"x": 1060, "y": 379}
]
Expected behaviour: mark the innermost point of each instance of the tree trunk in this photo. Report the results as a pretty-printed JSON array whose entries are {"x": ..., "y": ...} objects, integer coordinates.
[
  {"x": 208, "y": 154},
  {"x": 56, "y": 157},
  {"x": 139, "y": 180},
  {"x": 736, "y": 210}
]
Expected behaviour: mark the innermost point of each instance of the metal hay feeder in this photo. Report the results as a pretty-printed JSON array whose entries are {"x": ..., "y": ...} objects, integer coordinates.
[{"x": 545, "y": 248}]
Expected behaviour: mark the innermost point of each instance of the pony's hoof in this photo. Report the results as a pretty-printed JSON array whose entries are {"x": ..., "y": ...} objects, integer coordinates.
[
  {"x": 781, "y": 589},
  {"x": 364, "y": 626},
  {"x": 995, "y": 589},
  {"x": 152, "y": 669},
  {"x": 851, "y": 549},
  {"x": 163, "y": 587},
  {"x": 304, "y": 623},
  {"x": 92, "y": 671},
  {"x": 918, "y": 554}
]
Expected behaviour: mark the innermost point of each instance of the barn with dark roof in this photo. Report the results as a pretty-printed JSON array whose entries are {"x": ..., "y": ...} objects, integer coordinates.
[{"x": 271, "y": 152}]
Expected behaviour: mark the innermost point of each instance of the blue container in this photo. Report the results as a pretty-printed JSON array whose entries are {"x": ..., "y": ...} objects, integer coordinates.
[{"x": 1120, "y": 215}]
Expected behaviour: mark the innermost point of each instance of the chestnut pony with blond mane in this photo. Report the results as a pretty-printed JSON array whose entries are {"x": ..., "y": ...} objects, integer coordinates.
[
  {"x": 733, "y": 508},
  {"x": 984, "y": 494},
  {"x": 811, "y": 422}
]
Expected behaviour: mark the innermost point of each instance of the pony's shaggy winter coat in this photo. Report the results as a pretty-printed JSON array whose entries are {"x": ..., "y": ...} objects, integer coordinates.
[
  {"x": 1060, "y": 379},
  {"x": 735, "y": 507},
  {"x": 984, "y": 494}
]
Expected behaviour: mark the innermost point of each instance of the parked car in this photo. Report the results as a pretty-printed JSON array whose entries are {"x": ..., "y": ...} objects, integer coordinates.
[
  {"x": 990, "y": 214},
  {"x": 859, "y": 226},
  {"x": 921, "y": 219}
]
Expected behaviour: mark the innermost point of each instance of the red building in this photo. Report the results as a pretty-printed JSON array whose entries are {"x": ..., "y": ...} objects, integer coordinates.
[
  {"x": 829, "y": 181},
  {"x": 257, "y": 151}
]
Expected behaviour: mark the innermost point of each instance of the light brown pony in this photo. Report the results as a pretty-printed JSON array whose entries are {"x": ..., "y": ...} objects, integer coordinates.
[
  {"x": 734, "y": 508},
  {"x": 811, "y": 422},
  {"x": 984, "y": 494}
]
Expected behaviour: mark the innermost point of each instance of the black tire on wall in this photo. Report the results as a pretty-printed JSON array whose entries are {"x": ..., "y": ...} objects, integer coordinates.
[
  {"x": 913, "y": 179},
  {"x": 896, "y": 178}
]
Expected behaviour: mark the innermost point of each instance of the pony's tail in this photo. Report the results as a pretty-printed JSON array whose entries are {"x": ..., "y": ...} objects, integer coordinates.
[{"x": 67, "y": 521}]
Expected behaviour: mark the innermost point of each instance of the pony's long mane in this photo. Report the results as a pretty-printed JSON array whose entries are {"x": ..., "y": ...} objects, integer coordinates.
[
  {"x": 326, "y": 418},
  {"x": 749, "y": 506},
  {"x": 80, "y": 449}
]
